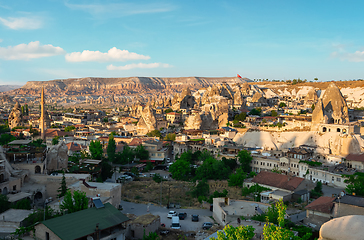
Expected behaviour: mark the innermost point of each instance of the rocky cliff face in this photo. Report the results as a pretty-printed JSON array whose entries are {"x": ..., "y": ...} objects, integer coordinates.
[{"x": 102, "y": 86}]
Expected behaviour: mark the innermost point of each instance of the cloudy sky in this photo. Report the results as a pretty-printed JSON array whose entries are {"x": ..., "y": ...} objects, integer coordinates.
[{"x": 44, "y": 40}]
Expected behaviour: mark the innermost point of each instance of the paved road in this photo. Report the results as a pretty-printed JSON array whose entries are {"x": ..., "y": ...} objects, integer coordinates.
[
  {"x": 328, "y": 191},
  {"x": 186, "y": 225}
]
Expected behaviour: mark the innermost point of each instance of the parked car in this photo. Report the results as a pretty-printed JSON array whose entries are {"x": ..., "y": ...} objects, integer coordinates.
[
  {"x": 142, "y": 175},
  {"x": 194, "y": 218},
  {"x": 206, "y": 225},
  {"x": 171, "y": 214},
  {"x": 168, "y": 160},
  {"x": 182, "y": 216},
  {"x": 175, "y": 223},
  {"x": 125, "y": 178}
]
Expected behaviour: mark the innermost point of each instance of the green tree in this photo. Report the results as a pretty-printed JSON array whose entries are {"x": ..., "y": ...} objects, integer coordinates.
[
  {"x": 62, "y": 190},
  {"x": 55, "y": 140},
  {"x": 157, "y": 178},
  {"x": 313, "y": 106},
  {"x": 141, "y": 152},
  {"x": 111, "y": 148},
  {"x": 96, "y": 150},
  {"x": 170, "y": 137},
  {"x": 316, "y": 79},
  {"x": 355, "y": 184},
  {"x": 106, "y": 170},
  {"x": 230, "y": 162},
  {"x": 6, "y": 138},
  {"x": 168, "y": 110},
  {"x": 22, "y": 110},
  {"x": 282, "y": 104},
  {"x": 217, "y": 194},
  {"x": 126, "y": 156},
  {"x": 106, "y": 120},
  {"x": 180, "y": 170},
  {"x": 240, "y": 117},
  {"x": 255, "y": 111},
  {"x": 4, "y": 129},
  {"x": 69, "y": 128},
  {"x": 74, "y": 203},
  {"x": 135, "y": 171},
  {"x": 274, "y": 113},
  {"x": 237, "y": 179},
  {"x": 154, "y": 133},
  {"x": 235, "y": 233},
  {"x": 212, "y": 169},
  {"x": 150, "y": 236},
  {"x": 23, "y": 204},
  {"x": 26, "y": 110},
  {"x": 274, "y": 232},
  {"x": 245, "y": 159},
  {"x": 4, "y": 203},
  {"x": 201, "y": 189}
]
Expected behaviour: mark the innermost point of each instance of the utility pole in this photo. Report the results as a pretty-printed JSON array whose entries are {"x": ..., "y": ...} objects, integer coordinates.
[{"x": 160, "y": 203}]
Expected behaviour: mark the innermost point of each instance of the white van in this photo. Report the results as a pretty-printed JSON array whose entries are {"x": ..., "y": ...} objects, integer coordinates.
[{"x": 175, "y": 223}]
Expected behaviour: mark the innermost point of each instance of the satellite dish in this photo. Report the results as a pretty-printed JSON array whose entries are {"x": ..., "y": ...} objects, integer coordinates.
[
  {"x": 90, "y": 238},
  {"x": 342, "y": 193}
]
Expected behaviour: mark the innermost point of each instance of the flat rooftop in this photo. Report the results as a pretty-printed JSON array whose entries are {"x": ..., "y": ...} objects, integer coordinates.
[
  {"x": 15, "y": 215},
  {"x": 102, "y": 186},
  {"x": 18, "y": 196},
  {"x": 243, "y": 208}
]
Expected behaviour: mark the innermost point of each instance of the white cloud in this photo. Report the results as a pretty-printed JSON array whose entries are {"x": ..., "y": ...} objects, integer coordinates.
[
  {"x": 121, "y": 9},
  {"x": 28, "y": 51},
  {"x": 1, "y": 40},
  {"x": 113, "y": 54},
  {"x": 357, "y": 56},
  {"x": 138, "y": 65},
  {"x": 22, "y": 22}
]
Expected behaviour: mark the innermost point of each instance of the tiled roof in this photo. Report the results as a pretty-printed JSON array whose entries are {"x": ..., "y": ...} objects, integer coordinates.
[
  {"x": 322, "y": 204},
  {"x": 351, "y": 200},
  {"x": 355, "y": 157},
  {"x": 277, "y": 180}
]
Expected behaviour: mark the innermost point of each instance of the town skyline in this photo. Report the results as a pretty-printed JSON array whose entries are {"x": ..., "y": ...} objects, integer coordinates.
[{"x": 69, "y": 39}]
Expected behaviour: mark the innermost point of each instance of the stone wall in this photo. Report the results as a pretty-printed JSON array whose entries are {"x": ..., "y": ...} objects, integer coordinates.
[{"x": 41, "y": 230}]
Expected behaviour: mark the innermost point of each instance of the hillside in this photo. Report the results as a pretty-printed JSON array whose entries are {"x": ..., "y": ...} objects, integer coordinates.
[
  {"x": 124, "y": 86},
  {"x": 5, "y": 88}
]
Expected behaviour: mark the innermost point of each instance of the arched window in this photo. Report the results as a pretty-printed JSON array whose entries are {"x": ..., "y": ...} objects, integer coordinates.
[
  {"x": 324, "y": 129},
  {"x": 338, "y": 130}
]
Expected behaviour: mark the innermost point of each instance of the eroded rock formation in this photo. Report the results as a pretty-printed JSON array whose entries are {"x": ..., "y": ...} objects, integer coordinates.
[
  {"x": 57, "y": 157},
  {"x": 15, "y": 117}
]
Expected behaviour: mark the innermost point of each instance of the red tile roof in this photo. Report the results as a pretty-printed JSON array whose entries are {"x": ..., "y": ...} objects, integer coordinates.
[
  {"x": 277, "y": 180},
  {"x": 136, "y": 142},
  {"x": 355, "y": 157},
  {"x": 74, "y": 146},
  {"x": 54, "y": 132},
  {"x": 322, "y": 204}
]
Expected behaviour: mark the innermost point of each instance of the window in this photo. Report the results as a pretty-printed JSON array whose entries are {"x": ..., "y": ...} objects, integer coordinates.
[
  {"x": 333, "y": 179},
  {"x": 14, "y": 188},
  {"x": 47, "y": 236},
  {"x": 338, "y": 179}
]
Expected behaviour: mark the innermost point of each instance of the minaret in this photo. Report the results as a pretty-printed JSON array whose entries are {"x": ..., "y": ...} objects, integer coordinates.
[{"x": 42, "y": 117}]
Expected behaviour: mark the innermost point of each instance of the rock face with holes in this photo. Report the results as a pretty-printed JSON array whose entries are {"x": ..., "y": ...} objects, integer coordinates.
[
  {"x": 57, "y": 157},
  {"x": 147, "y": 121},
  {"x": 331, "y": 108},
  {"x": 15, "y": 117}
]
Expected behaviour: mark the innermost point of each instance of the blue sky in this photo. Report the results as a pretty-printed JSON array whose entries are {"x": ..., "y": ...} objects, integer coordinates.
[{"x": 45, "y": 40}]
